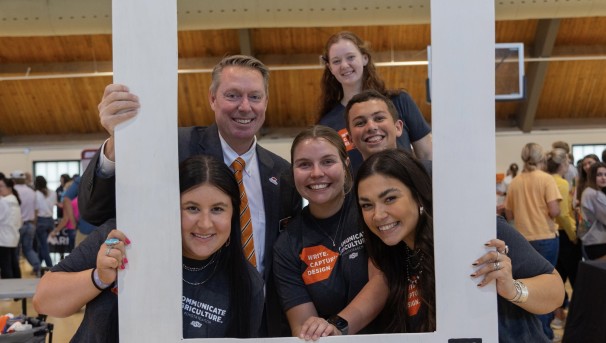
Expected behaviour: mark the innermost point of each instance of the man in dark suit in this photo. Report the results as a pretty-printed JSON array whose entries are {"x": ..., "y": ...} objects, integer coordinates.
[{"x": 238, "y": 95}]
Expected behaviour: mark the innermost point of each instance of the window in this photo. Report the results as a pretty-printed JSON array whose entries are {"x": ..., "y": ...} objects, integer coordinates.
[
  {"x": 52, "y": 171},
  {"x": 581, "y": 150}
]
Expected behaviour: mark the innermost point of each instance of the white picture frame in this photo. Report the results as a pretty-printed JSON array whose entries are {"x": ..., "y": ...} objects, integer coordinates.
[{"x": 145, "y": 58}]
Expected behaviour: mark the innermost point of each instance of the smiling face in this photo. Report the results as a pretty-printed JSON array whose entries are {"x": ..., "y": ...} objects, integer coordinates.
[
  {"x": 346, "y": 63},
  {"x": 319, "y": 175},
  {"x": 239, "y": 103},
  {"x": 372, "y": 128},
  {"x": 587, "y": 163},
  {"x": 600, "y": 178},
  {"x": 389, "y": 209},
  {"x": 206, "y": 214}
]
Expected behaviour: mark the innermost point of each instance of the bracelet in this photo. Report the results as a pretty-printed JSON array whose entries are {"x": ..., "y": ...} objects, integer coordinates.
[
  {"x": 521, "y": 292},
  {"x": 100, "y": 285}
]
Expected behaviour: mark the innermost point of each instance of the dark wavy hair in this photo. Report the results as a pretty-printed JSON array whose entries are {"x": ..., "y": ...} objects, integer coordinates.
[
  {"x": 331, "y": 89},
  {"x": 196, "y": 171},
  {"x": 11, "y": 184},
  {"x": 583, "y": 177},
  {"x": 40, "y": 185},
  {"x": 592, "y": 177},
  {"x": 391, "y": 260}
]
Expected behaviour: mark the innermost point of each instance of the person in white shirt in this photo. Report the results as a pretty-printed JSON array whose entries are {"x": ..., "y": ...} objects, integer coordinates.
[{"x": 45, "y": 203}]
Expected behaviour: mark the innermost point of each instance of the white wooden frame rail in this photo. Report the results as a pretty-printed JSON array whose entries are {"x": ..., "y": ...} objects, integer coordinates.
[{"x": 145, "y": 58}]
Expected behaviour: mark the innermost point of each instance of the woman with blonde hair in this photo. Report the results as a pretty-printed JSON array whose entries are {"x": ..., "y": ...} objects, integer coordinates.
[
  {"x": 533, "y": 203},
  {"x": 569, "y": 254}
]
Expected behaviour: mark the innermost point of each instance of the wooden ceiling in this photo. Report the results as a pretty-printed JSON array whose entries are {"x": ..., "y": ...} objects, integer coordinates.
[{"x": 51, "y": 85}]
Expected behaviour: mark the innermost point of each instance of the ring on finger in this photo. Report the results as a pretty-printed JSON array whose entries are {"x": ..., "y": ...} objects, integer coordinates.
[
  {"x": 505, "y": 250},
  {"x": 109, "y": 249},
  {"x": 496, "y": 266}
]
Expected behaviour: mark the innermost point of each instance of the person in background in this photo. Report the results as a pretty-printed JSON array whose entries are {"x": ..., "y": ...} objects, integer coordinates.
[
  {"x": 349, "y": 70},
  {"x": 69, "y": 222},
  {"x": 320, "y": 264},
  {"x": 63, "y": 180},
  {"x": 569, "y": 254},
  {"x": 532, "y": 203},
  {"x": 28, "y": 215},
  {"x": 572, "y": 173},
  {"x": 593, "y": 206},
  {"x": 45, "y": 203},
  {"x": 72, "y": 214},
  {"x": 29, "y": 180},
  {"x": 604, "y": 155},
  {"x": 10, "y": 223},
  {"x": 583, "y": 169},
  {"x": 216, "y": 274},
  {"x": 238, "y": 95},
  {"x": 394, "y": 195}
]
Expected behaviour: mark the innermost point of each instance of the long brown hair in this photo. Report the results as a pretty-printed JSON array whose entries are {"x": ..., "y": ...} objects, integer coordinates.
[
  {"x": 402, "y": 166},
  {"x": 331, "y": 89}
]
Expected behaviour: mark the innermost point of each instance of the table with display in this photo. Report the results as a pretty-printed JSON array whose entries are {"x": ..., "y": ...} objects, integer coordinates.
[{"x": 18, "y": 289}]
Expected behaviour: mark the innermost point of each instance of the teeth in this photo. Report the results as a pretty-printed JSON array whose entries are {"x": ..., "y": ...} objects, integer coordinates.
[
  {"x": 202, "y": 236},
  {"x": 374, "y": 139},
  {"x": 320, "y": 186},
  {"x": 387, "y": 227},
  {"x": 243, "y": 121}
]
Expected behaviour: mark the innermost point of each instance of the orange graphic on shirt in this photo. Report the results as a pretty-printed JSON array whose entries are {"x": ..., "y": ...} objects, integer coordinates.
[
  {"x": 349, "y": 145},
  {"x": 414, "y": 300},
  {"x": 320, "y": 262}
]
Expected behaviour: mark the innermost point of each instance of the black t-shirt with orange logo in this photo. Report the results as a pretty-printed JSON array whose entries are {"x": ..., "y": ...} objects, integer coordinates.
[{"x": 308, "y": 268}]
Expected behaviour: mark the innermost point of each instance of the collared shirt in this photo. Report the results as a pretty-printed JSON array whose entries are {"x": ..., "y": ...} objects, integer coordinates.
[
  {"x": 28, "y": 202},
  {"x": 252, "y": 184}
]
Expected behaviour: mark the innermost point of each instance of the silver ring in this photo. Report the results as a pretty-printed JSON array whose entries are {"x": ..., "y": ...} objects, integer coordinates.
[
  {"x": 109, "y": 249},
  {"x": 496, "y": 266},
  {"x": 505, "y": 250}
]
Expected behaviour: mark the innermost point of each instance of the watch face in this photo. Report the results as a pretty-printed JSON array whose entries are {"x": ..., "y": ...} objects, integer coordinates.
[{"x": 340, "y": 323}]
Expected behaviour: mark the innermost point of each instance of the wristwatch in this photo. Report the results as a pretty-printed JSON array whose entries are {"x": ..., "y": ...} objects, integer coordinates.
[{"x": 340, "y": 323}]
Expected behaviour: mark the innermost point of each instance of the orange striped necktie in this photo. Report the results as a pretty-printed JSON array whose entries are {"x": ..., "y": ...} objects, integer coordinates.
[{"x": 248, "y": 244}]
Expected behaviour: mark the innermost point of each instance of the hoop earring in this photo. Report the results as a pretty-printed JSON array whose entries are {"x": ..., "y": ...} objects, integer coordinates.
[{"x": 421, "y": 210}]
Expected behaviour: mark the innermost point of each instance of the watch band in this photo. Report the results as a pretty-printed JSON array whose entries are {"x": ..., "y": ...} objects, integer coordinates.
[{"x": 340, "y": 323}]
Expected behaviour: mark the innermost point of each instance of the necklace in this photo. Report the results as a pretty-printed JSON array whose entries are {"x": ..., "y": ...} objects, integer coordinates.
[
  {"x": 413, "y": 262},
  {"x": 204, "y": 281},
  {"x": 197, "y": 269},
  {"x": 332, "y": 239}
]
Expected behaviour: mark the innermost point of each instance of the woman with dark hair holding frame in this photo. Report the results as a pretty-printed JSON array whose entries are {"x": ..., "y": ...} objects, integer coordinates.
[
  {"x": 395, "y": 200},
  {"x": 215, "y": 273}
]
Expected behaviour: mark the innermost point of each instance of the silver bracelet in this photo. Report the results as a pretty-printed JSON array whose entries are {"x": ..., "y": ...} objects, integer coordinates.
[{"x": 521, "y": 292}]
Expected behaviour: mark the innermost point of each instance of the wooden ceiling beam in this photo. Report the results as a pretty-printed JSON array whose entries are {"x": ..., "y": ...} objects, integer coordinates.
[
  {"x": 547, "y": 31},
  {"x": 246, "y": 46}
]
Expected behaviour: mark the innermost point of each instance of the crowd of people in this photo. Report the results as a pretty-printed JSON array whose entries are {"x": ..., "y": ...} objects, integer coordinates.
[
  {"x": 560, "y": 208},
  {"x": 28, "y": 209},
  {"x": 357, "y": 258}
]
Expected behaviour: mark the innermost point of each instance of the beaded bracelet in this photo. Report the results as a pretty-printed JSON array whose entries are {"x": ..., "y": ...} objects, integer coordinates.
[
  {"x": 521, "y": 292},
  {"x": 100, "y": 285}
]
